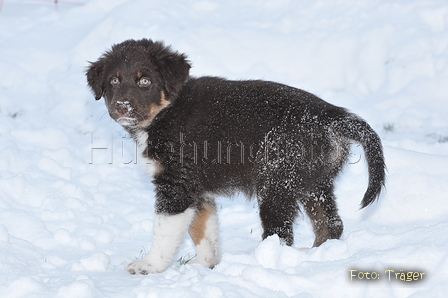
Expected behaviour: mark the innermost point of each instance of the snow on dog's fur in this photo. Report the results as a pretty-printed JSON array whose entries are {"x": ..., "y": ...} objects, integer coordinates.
[{"x": 208, "y": 136}]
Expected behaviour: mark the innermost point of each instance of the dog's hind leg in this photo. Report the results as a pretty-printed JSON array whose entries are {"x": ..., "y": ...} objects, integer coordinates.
[
  {"x": 321, "y": 208},
  {"x": 278, "y": 212},
  {"x": 205, "y": 234}
]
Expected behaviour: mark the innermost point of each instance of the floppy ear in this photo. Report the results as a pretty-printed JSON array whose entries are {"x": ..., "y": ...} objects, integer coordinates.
[
  {"x": 95, "y": 75},
  {"x": 173, "y": 67}
]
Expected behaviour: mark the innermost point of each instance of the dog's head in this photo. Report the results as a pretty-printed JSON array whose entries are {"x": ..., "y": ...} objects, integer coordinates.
[{"x": 138, "y": 79}]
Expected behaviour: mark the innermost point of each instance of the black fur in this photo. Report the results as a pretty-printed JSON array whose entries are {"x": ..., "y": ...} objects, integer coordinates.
[{"x": 209, "y": 136}]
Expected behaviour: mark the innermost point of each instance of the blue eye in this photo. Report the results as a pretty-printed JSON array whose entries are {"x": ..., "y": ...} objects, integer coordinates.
[
  {"x": 115, "y": 81},
  {"x": 144, "y": 82}
]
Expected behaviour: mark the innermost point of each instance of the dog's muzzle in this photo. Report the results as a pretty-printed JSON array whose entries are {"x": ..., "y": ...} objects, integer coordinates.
[{"x": 123, "y": 110}]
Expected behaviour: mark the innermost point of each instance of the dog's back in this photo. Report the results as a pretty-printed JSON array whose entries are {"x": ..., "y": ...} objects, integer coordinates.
[{"x": 237, "y": 127}]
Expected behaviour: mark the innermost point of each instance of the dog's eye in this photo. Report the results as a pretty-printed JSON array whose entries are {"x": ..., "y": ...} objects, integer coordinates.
[
  {"x": 115, "y": 81},
  {"x": 144, "y": 82}
]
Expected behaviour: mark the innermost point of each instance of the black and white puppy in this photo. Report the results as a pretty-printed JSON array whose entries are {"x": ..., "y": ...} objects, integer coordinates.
[{"x": 209, "y": 136}]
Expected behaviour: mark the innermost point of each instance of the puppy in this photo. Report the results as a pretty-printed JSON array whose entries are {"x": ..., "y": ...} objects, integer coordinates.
[{"x": 207, "y": 136}]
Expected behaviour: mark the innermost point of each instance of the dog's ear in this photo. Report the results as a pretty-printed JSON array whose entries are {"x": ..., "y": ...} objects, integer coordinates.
[
  {"x": 174, "y": 68},
  {"x": 95, "y": 74}
]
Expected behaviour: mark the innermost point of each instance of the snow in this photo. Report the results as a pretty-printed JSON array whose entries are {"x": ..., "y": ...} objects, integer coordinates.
[{"x": 76, "y": 206}]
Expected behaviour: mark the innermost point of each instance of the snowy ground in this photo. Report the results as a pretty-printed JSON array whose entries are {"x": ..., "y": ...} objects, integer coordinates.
[{"x": 73, "y": 215}]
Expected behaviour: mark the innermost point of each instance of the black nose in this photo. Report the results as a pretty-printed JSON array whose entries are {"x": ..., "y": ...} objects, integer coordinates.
[{"x": 123, "y": 108}]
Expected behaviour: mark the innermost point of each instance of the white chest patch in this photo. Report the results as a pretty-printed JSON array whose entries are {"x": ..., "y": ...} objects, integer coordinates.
[{"x": 151, "y": 166}]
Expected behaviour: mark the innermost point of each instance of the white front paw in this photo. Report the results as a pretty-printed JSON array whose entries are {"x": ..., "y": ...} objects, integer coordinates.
[{"x": 141, "y": 267}]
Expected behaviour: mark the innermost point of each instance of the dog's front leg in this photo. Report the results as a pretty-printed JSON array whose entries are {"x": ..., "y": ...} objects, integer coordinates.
[{"x": 169, "y": 233}]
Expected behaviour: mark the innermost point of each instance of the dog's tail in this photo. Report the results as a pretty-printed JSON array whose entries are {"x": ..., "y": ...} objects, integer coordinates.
[{"x": 358, "y": 130}]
